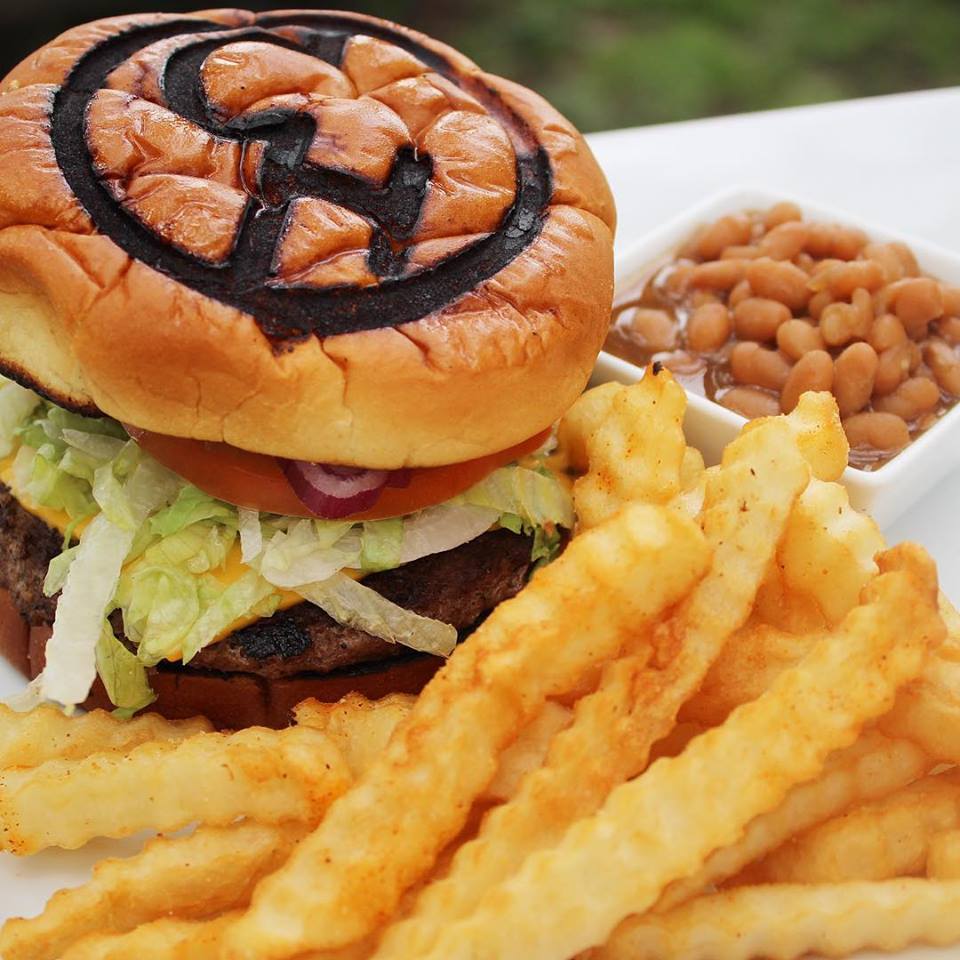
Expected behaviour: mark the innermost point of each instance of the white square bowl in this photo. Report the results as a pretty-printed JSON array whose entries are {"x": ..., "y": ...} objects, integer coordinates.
[{"x": 884, "y": 493}]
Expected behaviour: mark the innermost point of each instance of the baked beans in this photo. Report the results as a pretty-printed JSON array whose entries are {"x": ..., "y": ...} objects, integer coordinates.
[
  {"x": 760, "y": 306},
  {"x": 708, "y": 328}
]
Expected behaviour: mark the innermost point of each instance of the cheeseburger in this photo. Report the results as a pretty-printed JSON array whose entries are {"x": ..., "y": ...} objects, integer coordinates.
[{"x": 288, "y": 306}]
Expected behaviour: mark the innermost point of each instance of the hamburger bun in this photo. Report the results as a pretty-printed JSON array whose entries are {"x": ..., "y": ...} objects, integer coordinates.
[{"x": 313, "y": 235}]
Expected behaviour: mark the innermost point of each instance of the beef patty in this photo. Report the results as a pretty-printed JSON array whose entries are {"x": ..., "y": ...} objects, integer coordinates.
[{"x": 298, "y": 645}]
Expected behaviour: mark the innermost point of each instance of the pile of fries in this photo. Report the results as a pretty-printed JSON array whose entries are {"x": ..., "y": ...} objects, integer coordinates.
[{"x": 723, "y": 724}]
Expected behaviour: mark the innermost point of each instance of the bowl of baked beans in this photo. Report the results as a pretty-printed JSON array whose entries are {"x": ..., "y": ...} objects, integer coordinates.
[{"x": 751, "y": 299}]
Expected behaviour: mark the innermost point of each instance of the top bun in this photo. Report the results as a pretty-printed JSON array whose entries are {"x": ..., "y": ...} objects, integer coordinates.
[{"x": 316, "y": 235}]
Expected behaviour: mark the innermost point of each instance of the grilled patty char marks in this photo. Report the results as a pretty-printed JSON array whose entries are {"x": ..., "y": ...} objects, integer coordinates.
[{"x": 459, "y": 587}]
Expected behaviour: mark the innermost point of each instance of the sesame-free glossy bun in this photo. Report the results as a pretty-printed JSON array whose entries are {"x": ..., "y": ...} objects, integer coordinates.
[{"x": 315, "y": 235}]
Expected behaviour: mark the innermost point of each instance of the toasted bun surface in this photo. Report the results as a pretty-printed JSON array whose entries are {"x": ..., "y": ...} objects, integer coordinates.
[{"x": 315, "y": 235}]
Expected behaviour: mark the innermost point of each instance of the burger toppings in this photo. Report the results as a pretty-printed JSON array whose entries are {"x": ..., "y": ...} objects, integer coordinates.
[
  {"x": 332, "y": 491},
  {"x": 265, "y": 483},
  {"x": 184, "y": 568}
]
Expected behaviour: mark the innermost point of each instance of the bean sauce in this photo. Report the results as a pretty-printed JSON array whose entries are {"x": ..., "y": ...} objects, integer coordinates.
[{"x": 760, "y": 306}]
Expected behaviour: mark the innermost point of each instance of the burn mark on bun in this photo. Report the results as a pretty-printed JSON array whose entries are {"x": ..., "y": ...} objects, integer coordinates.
[{"x": 246, "y": 279}]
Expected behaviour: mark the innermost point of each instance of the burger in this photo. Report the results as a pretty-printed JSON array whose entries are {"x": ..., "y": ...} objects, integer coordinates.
[{"x": 289, "y": 304}]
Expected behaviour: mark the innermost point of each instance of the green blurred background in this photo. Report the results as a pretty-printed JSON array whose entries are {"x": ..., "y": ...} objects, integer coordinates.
[{"x": 616, "y": 63}]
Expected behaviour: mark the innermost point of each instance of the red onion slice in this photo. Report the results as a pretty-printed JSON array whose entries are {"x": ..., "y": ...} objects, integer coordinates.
[{"x": 333, "y": 492}]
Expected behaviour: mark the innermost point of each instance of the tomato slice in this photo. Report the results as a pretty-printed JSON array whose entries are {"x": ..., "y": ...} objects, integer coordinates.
[{"x": 256, "y": 480}]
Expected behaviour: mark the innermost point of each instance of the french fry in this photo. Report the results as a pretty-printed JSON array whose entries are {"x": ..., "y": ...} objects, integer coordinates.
[
  {"x": 943, "y": 856},
  {"x": 361, "y": 728},
  {"x": 928, "y": 711},
  {"x": 374, "y": 843},
  {"x": 783, "y": 922},
  {"x": 647, "y": 834},
  {"x": 873, "y": 767},
  {"x": 211, "y": 870},
  {"x": 877, "y": 841},
  {"x": 268, "y": 775},
  {"x": 751, "y": 660},
  {"x": 46, "y": 733},
  {"x": 160, "y": 940},
  {"x": 693, "y": 484},
  {"x": 818, "y": 432},
  {"x": 747, "y": 504},
  {"x": 827, "y": 554},
  {"x": 645, "y": 416},
  {"x": 581, "y": 420},
  {"x": 527, "y": 753}
]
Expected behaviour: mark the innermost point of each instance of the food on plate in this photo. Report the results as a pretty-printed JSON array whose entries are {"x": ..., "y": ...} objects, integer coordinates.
[
  {"x": 192, "y": 876},
  {"x": 290, "y": 303},
  {"x": 46, "y": 733},
  {"x": 874, "y": 766},
  {"x": 215, "y": 868},
  {"x": 609, "y": 763},
  {"x": 635, "y": 844},
  {"x": 943, "y": 856},
  {"x": 611, "y": 582},
  {"x": 789, "y": 922},
  {"x": 638, "y": 694},
  {"x": 877, "y": 841},
  {"x": 759, "y": 306},
  {"x": 269, "y": 775}
]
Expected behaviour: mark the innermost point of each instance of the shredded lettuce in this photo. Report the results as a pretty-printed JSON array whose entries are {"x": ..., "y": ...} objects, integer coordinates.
[
  {"x": 191, "y": 506},
  {"x": 381, "y": 544},
  {"x": 534, "y": 496},
  {"x": 57, "y": 571},
  {"x": 16, "y": 404},
  {"x": 546, "y": 545},
  {"x": 90, "y": 585},
  {"x": 298, "y": 555},
  {"x": 38, "y": 476},
  {"x": 123, "y": 675},
  {"x": 251, "y": 534},
  {"x": 154, "y": 547},
  {"x": 87, "y": 590},
  {"x": 159, "y": 603},
  {"x": 444, "y": 527},
  {"x": 349, "y": 601},
  {"x": 240, "y": 599}
]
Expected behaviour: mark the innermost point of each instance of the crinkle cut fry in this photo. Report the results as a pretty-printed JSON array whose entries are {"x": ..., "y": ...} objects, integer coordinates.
[
  {"x": 636, "y": 452},
  {"x": 785, "y": 922},
  {"x": 46, "y": 733},
  {"x": 873, "y": 767},
  {"x": 361, "y": 728},
  {"x": 212, "y": 869},
  {"x": 943, "y": 856},
  {"x": 214, "y": 778},
  {"x": 176, "y": 939},
  {"x": 928, "y": 711},
  {"x": 647, "y": 834},
  {"x": 348, "y": 876},
  {"x": 881, "y": 840},
  {"x": 215, "y": 868},
  {"x": 748, "y": 502},
  {"x": 163, "y": 939}
]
